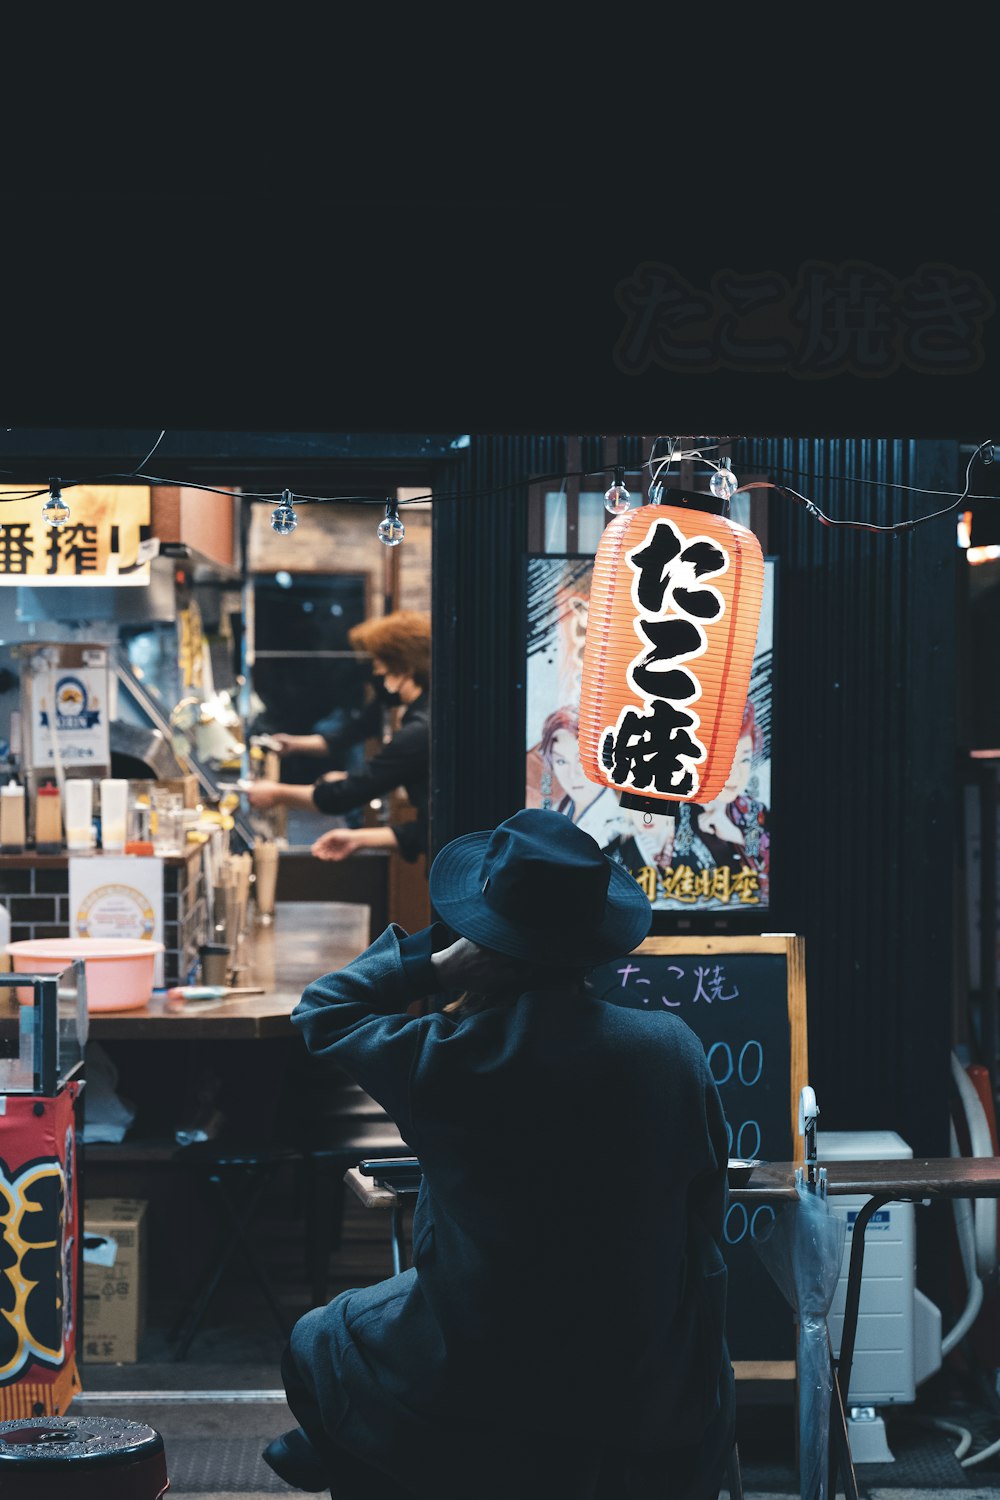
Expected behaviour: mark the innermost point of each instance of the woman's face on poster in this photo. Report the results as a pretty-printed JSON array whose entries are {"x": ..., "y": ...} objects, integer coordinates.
[{"x": 739, "y": 776}]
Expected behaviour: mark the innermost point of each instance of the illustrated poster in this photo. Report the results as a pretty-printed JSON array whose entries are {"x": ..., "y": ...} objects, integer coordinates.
[{"x": 713, "y": 858}]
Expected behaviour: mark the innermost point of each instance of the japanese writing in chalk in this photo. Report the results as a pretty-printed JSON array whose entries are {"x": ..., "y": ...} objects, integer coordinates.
[
  {"x": 659, "y": 745},
  {"x": 699, "y": 982}
]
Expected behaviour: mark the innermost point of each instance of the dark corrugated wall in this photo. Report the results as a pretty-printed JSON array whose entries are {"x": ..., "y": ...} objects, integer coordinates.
[
  {"x": 478, "y": 593},
  {"x": 479, "y": 609},
  {"x": 865, "y": 776}
]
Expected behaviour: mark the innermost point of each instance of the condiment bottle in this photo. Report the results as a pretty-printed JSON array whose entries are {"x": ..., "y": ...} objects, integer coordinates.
[
  {"x": 13, "y": 833},
  {"x": 48, "y": 819}
]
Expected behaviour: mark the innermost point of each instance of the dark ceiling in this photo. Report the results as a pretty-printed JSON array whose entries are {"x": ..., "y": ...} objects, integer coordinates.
[{"x": 369, "y": 463}]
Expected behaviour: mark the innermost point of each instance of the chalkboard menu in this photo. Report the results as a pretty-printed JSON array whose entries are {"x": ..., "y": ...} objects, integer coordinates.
[{"x": 745, "y": 999}]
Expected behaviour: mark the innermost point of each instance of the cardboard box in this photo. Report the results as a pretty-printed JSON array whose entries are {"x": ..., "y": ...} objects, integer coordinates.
[{"x": 114, "y": 1279}]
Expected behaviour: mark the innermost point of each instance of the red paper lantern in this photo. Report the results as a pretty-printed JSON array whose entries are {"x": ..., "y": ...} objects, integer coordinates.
[{"x": 674, "y": 609}]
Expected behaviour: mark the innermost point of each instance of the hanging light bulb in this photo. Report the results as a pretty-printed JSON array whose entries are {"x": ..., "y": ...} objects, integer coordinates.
[
  {"x": 283, "y": 517},
  {"x": 723, "y": 482},
  {"x": 617, "y": 499},
  {"x": 55, "y": 510},
  {"x": 391, "y": 530}
]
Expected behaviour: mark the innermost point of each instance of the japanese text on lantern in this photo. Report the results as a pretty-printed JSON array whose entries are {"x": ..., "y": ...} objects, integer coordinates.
[{"x": 659, "y": 745}]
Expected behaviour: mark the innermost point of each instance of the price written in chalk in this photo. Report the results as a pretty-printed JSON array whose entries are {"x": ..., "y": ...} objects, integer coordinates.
[
  {"x": 744, "y": 999},
  {"x": 737, "y": 1058}
]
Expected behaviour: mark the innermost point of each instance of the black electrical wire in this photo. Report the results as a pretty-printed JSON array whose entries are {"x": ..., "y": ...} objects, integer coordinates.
[
  {"x": 899, "y": 526},
  {"x": 984, "y": 451}
]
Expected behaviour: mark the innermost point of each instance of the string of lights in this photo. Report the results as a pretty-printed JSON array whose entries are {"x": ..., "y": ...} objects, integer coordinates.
[{"x": 723, "y": 484}]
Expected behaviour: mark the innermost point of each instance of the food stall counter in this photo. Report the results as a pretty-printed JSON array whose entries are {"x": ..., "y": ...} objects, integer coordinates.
[{"x": 305, "y": 940}]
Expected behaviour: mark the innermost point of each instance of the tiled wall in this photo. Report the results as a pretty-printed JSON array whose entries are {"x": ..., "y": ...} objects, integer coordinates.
[
  {"x": 38, "y": 902},
  {"x": 37, "y": 898}
]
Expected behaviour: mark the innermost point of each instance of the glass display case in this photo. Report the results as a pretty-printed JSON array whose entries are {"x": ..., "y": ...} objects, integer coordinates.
[{"x": 43, "y": 1030}]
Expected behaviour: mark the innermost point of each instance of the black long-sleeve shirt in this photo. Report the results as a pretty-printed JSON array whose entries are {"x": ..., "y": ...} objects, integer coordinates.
[
  {"x": 403, "y": 761},
  {"x": 362, "y": 723}
]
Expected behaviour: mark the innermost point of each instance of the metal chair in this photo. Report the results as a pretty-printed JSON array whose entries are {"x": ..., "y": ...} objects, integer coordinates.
[
  {"x": 402, "y": 1176},
  {"x": 357, "y": 1127},
  {"x": 734, "y": 1478}
]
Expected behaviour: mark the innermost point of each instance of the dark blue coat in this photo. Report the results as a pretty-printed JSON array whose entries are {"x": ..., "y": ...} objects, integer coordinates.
[{"x": 566, "y": 1302}]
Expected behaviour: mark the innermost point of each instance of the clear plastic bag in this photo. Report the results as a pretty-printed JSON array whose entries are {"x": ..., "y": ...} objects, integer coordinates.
[{"x": 804, "y": 1252}]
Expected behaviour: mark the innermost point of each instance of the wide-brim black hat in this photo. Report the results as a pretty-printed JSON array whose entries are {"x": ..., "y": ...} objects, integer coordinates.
[{"x": 539, "y": 888}]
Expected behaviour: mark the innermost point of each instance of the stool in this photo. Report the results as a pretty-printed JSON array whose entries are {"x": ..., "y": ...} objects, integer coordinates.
[
  {"x": 81, "y": 1458},
  {"x": 403, "y": 1177},
  {"x": 241, "y": 1175},
  {"x": 355, "y": 1138}
]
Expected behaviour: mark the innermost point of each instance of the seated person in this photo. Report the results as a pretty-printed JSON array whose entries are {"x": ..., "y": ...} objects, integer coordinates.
[
  {"x": 552, "y": 1340},
  {"x": 400, "y": 648}
]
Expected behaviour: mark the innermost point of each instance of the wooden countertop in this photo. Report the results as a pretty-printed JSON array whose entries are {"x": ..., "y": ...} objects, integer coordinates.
[
  {"x": 28, "y": 859},
  {"x": 900, "y": 1179},
  {"x": 306, "y": 939}
]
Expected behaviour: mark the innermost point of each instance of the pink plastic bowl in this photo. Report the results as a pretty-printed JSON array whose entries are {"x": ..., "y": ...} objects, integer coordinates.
[{"x": 119, "y": 970}]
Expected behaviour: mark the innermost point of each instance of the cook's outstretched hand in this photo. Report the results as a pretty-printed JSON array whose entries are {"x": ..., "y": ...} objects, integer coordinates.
[
  {"x": 265, "y": 794},
  {"x": 338, "y": 843}
]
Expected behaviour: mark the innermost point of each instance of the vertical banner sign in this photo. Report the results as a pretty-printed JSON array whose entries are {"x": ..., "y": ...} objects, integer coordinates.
[
  {"x": 39, "y": 1237},
  {"x": 715, "y": 855}
]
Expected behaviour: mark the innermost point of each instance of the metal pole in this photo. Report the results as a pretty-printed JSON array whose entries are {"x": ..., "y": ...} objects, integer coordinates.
[{"x": 987, "y": 919}]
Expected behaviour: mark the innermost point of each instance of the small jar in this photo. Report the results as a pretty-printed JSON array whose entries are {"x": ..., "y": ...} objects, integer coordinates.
[
  {"x": 13, "y": 832},
  {"x": 140, "y": 840}
]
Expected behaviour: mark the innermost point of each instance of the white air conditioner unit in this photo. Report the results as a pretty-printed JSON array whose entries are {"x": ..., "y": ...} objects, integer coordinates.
[{"x": 898, "y": 1340}]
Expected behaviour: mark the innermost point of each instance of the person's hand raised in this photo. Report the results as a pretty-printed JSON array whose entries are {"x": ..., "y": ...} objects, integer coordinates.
[
  {"x": 337, "y": 843},
  {"x": 467, "y": 966}
]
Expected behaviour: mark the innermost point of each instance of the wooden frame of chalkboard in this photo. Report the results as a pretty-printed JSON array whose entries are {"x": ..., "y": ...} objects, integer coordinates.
[
  {"x": 745, "y": 998},
  {"x": 794, "y": 950}
]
